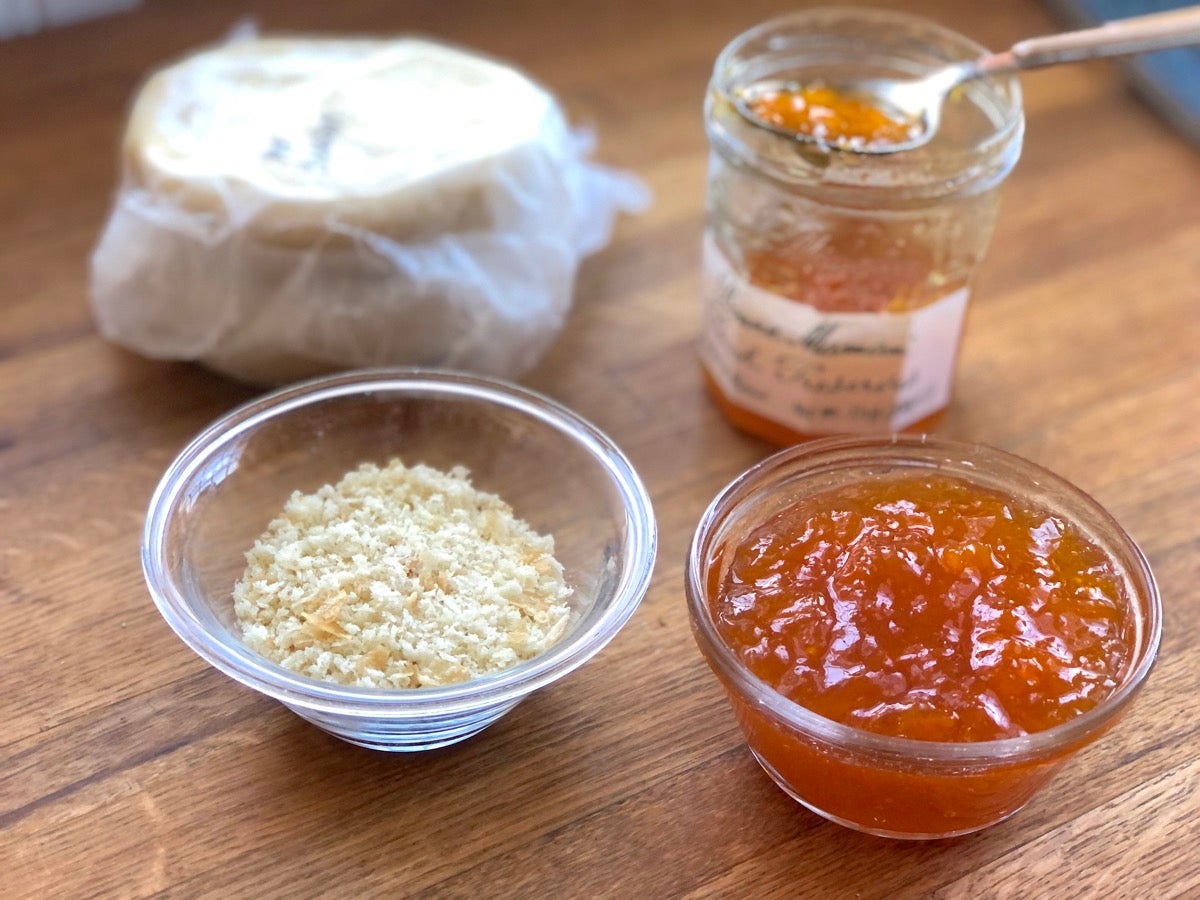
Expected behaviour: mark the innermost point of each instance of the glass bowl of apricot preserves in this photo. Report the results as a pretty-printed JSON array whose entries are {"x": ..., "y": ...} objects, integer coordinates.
[{"x": 914, "y": 633}]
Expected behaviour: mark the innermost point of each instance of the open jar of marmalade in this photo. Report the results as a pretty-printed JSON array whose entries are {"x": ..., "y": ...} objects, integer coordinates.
[{"x": 836, "y": 283}]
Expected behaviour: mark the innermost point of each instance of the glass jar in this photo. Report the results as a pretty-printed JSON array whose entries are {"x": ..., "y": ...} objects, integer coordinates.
[
  {"x": 879, "y": 783},
  {"x": 835, "y": 283}
]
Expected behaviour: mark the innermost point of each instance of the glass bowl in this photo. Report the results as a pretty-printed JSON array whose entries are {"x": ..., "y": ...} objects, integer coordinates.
[
  {"x": 881, "y": 784},
  {"x": 559, "y": 473}
]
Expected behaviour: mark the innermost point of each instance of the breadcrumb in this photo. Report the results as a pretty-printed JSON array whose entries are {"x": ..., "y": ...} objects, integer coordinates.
[{"x": 401, "y": 577}]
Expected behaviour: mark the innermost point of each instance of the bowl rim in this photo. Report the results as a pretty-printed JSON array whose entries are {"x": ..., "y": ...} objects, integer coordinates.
[
  {"x": 229, "y": 655},
  {"x": 907, "y": 449}
]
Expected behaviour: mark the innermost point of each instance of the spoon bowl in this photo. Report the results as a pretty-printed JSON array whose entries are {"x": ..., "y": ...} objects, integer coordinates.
[{"x": 909, "y": 101}]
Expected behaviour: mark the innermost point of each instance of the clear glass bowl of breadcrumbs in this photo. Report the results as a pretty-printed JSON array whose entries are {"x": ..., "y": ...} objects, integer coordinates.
[{"x": 558, "y": 473}]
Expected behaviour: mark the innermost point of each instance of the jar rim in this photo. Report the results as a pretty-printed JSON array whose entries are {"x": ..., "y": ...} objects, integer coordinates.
[
  {"x": 849, "y": 179},
  {"x": 979, "y": 462}
]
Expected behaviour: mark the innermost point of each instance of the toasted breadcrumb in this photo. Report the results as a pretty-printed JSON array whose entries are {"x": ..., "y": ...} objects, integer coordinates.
[{"x": 400, "y": 577}]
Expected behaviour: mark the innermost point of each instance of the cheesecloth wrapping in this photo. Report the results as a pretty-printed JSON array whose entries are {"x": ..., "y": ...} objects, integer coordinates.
[{"x": 263, "y": 245}]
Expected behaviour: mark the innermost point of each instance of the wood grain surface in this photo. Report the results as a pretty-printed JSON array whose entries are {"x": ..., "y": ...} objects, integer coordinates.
[{"x": 130, "y": 768}]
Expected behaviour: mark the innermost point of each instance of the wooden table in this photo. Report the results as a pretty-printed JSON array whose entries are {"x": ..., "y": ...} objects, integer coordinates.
[{"x": 129, "y": 767}]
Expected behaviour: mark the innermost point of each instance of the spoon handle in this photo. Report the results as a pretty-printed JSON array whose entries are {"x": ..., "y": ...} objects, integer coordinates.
[{"x": 1159, "y": 31}]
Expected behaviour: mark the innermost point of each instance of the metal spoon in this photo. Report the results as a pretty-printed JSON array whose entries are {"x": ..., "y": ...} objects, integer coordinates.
[{"x": 920, "y": 101}]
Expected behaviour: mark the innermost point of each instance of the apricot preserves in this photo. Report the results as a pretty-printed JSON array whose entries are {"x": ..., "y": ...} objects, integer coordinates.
[
  {"x": 926, "y": 607},
  {"x": 835, "y": 117},
  {"x": 915, "y": 634}
]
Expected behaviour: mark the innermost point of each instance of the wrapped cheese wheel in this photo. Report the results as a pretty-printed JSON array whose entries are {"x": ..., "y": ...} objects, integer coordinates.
[{"x": 292, "y": 206}]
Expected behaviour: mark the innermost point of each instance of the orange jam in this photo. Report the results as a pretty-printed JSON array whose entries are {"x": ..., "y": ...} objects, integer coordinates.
[
  {"x": 925, "y": 607},
  {"x": 845, "y": 272},
  {"x": 830, "y": 116}
]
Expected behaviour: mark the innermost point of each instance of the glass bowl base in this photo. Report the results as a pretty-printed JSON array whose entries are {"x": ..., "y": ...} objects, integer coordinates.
[
  {"x": 867, "y": 829},
  {"x": 403, "y": 736}
]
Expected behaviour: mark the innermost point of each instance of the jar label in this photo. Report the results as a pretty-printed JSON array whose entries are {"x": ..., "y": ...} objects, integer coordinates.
[{"x": 819, "y": 372}]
